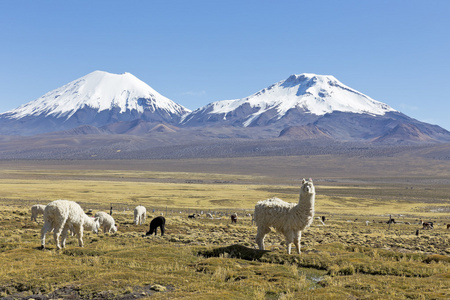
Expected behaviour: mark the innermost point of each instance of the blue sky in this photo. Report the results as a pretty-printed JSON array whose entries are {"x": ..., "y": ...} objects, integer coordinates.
[{"x": 196, "y": 52}]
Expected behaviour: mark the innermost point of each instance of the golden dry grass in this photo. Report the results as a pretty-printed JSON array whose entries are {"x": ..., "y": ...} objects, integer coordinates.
[
  {"x": 204, "y": 191},
  {"x": 344, "y": 259}
]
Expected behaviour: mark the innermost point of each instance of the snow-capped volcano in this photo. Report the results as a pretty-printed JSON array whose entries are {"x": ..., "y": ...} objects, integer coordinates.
[
  {"x": 305, "y": 94},
  {"x": 99, "y": 98},
  {"x": 99, "y": 91}
]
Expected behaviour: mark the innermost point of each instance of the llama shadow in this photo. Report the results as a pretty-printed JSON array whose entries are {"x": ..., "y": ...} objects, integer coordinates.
[
  {"x": 46, "y": 248},
  {"x": 235, "y": 251}
]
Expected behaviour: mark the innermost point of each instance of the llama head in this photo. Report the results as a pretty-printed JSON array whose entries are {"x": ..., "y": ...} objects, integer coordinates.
[
  {"x": 151, "y": 231},
  {"x": 96, "y": 225},
  {"x": 308, "y": 187},
  {"x": 114, "y": 229}
]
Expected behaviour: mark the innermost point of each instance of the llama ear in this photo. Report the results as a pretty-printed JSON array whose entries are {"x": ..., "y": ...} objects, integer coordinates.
[
  {"x": 303, "y": 180},
  {"x": 310, "y": 180}
]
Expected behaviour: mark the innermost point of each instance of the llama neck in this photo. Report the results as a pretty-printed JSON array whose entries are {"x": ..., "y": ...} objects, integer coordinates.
[
  {"x": 306, "y": 203},
  {"x": 89, "y": 222}
]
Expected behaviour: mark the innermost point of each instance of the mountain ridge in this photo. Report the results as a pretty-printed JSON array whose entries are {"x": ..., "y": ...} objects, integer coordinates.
[{"x": 301, "y": 107}]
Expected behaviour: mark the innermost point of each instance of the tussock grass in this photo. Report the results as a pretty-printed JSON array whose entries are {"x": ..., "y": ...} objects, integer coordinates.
[{"x": 202, "y": 258}]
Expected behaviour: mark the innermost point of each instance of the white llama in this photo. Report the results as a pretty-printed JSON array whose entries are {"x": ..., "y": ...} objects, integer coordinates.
[
  {"x": 106, "y": 222},
  {"x": 140, "y": 214},
  {"x": 288, "y": 218},
  {"x": 62, "y": 215},
  {"x": 36, "y": 210}
]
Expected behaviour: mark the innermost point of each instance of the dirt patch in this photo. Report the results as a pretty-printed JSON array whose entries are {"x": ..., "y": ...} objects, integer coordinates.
[{"x": 73, "y": 293}]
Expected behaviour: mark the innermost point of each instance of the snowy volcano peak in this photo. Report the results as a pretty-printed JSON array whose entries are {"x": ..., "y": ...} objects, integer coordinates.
[
  {"x": 307, "y": 77},
  {"x": 318, "y": 95},
  {"x": 99, "y": 91},
  {"x": 307, "y": 94}
]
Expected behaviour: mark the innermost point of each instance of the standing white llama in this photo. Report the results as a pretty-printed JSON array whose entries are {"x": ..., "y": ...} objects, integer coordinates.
[
  {"x": 140, "y": 213},
  {"x": 288, "y": 218},
  {"x": 62, "y": 215}
]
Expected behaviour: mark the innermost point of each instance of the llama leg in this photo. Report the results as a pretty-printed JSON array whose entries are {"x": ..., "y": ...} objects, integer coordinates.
[
  {"x": 56, "y": 235},
  {"x": 80, "y": 236},
  {"x": 289, "y": 239},
  {"x": 45, "y": 228},
  {"x": 78, "y": 230},
  {"x": 64, "y": 235},
  {"x": 162, "y": 230},
  {"x": 297, "y": 239},
  {"x": 260, "y": 235}
]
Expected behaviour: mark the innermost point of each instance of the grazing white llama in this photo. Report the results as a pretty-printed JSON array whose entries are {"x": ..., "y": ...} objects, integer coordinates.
[
  {"x": 62, "y": 215},
  {"x": 106, "y": 222},
  {"x": 288, "y": 218},
  {"x": 36, "y": 210},
  {"x": 140, "y": 213}
]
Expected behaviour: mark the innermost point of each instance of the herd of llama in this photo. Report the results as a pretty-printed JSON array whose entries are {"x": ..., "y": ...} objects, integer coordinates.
[{"x": 289, "y": 219}]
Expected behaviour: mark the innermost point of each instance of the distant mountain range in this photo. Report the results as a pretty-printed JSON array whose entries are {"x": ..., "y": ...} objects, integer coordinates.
[{"x": 302, "y": 107}]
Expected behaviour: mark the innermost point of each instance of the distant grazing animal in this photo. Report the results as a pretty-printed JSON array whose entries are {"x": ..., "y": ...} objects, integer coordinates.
[
  {"x": 106, "y": 222},
  {"x": 36, "y": 210},
  {"x": 288, "y": 218},
  {"x": 427, "y": 225},
  {"x": 140, "y": 214},
  {"x": 391, "y": 221},
  {"x": 234, "y": 218},
  {"x": 160, "y": 222},
  {"x": 448, "y": 226},
  {"x": 191, "y": 216},
  {"x": 367, "y": 223},
  {"x": 208, "y": 215},
  {"x": 61, "y": 215},
  {"x": 322, "y": 220}
]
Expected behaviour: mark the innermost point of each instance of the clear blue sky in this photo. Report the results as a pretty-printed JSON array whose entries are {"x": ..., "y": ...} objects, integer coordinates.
[{"x": 197, "y": 52}]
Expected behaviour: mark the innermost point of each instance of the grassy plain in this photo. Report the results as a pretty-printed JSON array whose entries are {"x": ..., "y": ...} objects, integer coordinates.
[{"x": 211, "y": 258}]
